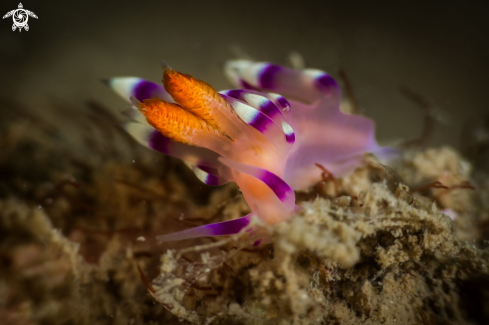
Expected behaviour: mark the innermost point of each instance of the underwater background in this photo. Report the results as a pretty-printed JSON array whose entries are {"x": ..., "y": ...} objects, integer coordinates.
[
  {"x": 438, "y": 49},
  {"x": 81, "y": 202}
]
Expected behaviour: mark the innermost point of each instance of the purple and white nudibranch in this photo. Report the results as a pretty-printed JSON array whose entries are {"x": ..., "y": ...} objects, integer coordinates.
[{"x": 254, "y": 136}]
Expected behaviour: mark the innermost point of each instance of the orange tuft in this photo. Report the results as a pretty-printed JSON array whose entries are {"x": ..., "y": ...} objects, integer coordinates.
[
  {"x": 197, "y": 96},
  {"x": 172, "y": 121}
]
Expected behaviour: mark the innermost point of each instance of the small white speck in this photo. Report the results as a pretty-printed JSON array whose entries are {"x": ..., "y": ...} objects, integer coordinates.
[
  {"x": 141, "y": 238},
  {"x": 133, "y": 161},
  {"x": 39, "y": 207}
]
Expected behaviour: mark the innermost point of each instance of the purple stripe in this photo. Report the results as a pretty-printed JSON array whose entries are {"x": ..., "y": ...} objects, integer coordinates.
[
  {"x": 267, "y": 76},
  {"x": 269, "y": 109},
  {"x": 290, "y": 138},
  {"x": 207, "y": 169},
  {"x": 158, "y": 142},
  {"x": 147, "y": 90},
  {"x": 235, "y": 93},
  {"x": 213, "y": 180},
  {"x": 230, "y": 227},
  {"x": 325, "y": 82},
  {"x": 260, "y": 122},
  {"x": 276, "y": 184},
  {"x": 283, "y": 102}
]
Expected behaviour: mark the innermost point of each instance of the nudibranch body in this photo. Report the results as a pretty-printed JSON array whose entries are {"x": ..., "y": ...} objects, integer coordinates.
[
  {"x": 252, "y": 136},
  {"x": 324, "y": 134}
]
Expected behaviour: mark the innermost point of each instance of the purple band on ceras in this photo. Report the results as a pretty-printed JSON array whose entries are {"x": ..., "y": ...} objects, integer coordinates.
[
  {"x": 284, "y": 104},
  {"x": 290, "y": 138},
  {"x": 267, "y": 107},
  {"x": 325, "y": 82},
  {"x": 158, "y": 141},
  {"x": 211, "y": 178},
  {"x": 230, "y": 227},
  {"x": 260, "y": 122},
  {"x": 277, "y": 185},
  {"x": 147, "y": 90},
  {"x": 267, "y": 76},
  {"x": 249, "y": 114},
  {"x": 235, "y": 93}
]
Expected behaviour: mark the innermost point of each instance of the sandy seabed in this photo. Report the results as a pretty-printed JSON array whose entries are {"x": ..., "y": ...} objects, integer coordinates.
[{"x": 77, "y": 231}]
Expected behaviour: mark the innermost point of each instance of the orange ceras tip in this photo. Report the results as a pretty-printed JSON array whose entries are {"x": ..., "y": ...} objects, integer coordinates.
[
  {"x": 171, "y": 120},
  {"x": 196, "y": 96}
]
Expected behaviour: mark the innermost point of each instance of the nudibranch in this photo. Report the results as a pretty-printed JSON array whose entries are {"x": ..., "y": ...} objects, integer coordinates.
[{"x": 253, "y": 136}]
